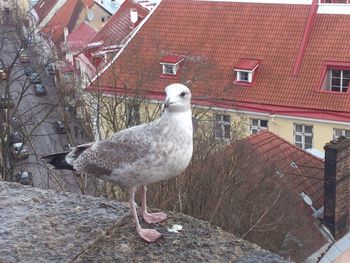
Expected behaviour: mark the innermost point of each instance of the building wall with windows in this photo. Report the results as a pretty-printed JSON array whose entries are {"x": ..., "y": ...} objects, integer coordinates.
[
  {"x": 109, "y": 113},
  {"x": 298, "y": 83},
  {"x": 287, "y": 127},
  {"x": 97, "y": 16}
]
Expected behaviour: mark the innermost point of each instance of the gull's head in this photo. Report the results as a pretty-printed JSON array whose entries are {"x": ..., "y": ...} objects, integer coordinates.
[{"x": 178, "y": 98}]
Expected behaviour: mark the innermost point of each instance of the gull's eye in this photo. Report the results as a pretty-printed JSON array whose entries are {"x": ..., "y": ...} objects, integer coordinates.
[{"x": 182, "y": 94}]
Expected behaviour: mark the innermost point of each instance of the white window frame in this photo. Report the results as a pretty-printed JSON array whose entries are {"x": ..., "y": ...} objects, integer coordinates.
[
  {"x": 342, "y": 132},
  {"x": 220, "y": 125},
  {"x": 303, "y": 134},
  {"x": 241, "y": 76},
  {"x": 174, "y": 68},
  {"x": 169, "y": 69},
  {"x": 257, "y": 127},
  {"x": 342, "y": 88}
]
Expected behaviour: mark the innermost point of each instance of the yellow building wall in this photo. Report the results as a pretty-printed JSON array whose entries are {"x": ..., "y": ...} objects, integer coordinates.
[
  {"x": 284, "y": 127},
  {"x": 279, "y": 125},
  {"x": 98, "y": 13}
]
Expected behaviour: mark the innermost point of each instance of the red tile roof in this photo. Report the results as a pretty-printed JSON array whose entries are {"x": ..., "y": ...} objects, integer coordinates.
[
  {"x": 81, "y": 36},
  {"x": 120, "y": 25},
  {"x": 66, "y": 16},
  {"x": 43, "y": 7},
  {"x": 220, "y": 33},
  {"x": 293, "y": 169},
  {"x": 89, "y": 3},
  {"x": 264, "y": 168}
]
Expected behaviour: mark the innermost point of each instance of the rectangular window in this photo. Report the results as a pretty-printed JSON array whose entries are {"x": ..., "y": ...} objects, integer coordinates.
[
  {"x": 169, "y": 69},
  {"x": 303, "y": 136},
  {"x": 257, "y": 125},
  {"x": 244, "y": 76},
  {"x": 339, "y": 80},
  {"x": 222, "y": 126},
  {"x": 340, "y": 132}
]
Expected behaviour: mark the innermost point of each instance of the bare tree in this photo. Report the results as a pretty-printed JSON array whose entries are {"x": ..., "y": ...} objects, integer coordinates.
[{"x": 24, "y": 116}]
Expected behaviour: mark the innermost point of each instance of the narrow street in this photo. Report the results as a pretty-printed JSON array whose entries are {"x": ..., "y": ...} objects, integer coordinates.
[{"x": 37, "y": 115}]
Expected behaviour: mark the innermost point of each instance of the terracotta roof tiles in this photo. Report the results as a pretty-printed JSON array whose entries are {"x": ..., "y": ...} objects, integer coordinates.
[
  {"x": 221, "y": 33},
  {"x": 66, "y": 16},
  {"x": 119, "y": 25}
]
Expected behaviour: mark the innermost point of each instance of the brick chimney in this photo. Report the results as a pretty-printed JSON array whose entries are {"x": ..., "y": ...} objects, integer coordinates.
[{"x": 336, "y": 187}]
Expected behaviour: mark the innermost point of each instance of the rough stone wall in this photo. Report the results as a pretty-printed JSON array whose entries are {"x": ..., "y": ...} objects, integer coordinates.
[{"x": 45, "y": 226}]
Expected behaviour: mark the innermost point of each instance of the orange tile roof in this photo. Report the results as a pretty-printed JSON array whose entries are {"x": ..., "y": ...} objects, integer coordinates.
[
  {"x": 66, "y": 16},
  {"x": 43, "y": 7},
  {"x": 222, "y": 33}
]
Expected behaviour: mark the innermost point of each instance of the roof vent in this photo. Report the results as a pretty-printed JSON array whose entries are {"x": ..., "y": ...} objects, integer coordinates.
[
  {"x": 294, "y": 164},
  {"x": 279, "y": 173},
  {"x": 307, "y": 200},
  {"x": 133, "y": 15}
]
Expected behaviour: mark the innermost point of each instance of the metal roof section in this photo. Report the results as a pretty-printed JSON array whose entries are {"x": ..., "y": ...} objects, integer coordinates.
[{"x": 337, "y": 249}]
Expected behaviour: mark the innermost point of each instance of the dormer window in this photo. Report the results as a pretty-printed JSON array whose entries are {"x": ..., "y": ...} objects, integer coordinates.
[
  {"x": 169, "y": 69},
  {"x": 245, "y": 71},
  {"x": 170, "y": 65},
  {"x": 338, "y": 80},
  {"x": 336, "y": 77}
]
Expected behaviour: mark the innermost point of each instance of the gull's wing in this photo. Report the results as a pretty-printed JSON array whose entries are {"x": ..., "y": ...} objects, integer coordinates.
[{"x": 107, "y": 155}]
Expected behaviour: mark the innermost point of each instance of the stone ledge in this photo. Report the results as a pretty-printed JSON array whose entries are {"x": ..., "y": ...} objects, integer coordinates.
[{"x": 46, "y": 226}]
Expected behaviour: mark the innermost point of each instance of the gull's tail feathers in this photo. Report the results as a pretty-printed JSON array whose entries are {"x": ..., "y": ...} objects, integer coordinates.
[
  {"x": 58, "y": 160},
  {"x": 65, "y": 160}
]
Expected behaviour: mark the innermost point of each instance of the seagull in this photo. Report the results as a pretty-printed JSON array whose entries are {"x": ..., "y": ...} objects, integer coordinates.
[{"x": 140, "y": 155}]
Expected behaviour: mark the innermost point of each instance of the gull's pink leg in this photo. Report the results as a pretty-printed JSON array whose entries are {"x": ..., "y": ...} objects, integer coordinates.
[
  {"x": 149, "y": 235},
  {"x": 150, "y": 217}
]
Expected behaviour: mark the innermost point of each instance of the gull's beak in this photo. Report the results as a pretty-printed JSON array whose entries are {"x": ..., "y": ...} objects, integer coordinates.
[{"x": 167, "y": 103}]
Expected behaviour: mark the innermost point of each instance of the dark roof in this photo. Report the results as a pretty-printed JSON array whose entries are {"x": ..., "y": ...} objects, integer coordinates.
[
  {"x": 294, "y": 171},
  {"x": 299, "y": 170}
]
